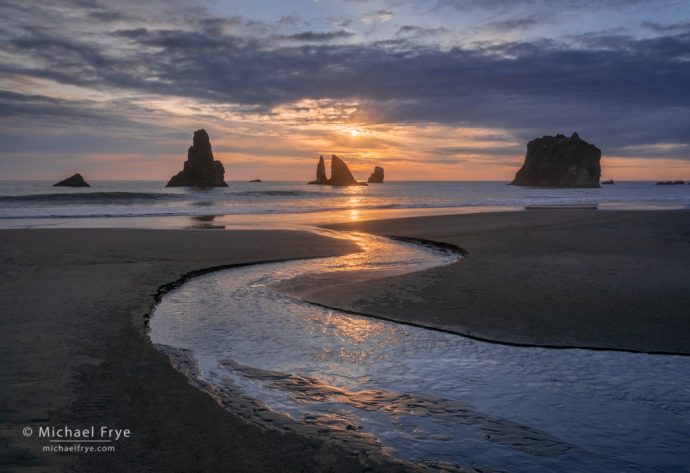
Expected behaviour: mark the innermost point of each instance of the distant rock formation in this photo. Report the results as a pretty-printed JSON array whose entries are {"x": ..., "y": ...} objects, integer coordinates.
[
  {"x": 73, "y": 181},
  {"x": 559, "y": 161},
  {"x": 321, "y": 178},
  {"x": 200, "y": 170},
  {"x": 376, "y": 176},
  {"x": 670, "y": 183},
  {"x": 340, "y": 174},
  {"x": 255, "y": 180},
  {"x": 610, "y": 181}
]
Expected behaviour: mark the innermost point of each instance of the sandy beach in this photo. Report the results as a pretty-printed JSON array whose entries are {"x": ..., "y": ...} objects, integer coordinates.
[
  {"x": 576, "y": 278},
  {"x": 75, "y": 353},
  {"x": 75, "y": 303}
]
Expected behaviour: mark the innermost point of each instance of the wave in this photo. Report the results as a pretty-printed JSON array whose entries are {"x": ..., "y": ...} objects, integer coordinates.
[
  {"x": 209, "y": 208},
  {"x": 279, "y": 193},
  {"x": 92, "y": 197},
  {"x": 137, "y": 197}
]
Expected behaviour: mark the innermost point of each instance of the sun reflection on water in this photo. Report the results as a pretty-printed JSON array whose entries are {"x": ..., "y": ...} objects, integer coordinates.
[{"x": 366, "y": 259}]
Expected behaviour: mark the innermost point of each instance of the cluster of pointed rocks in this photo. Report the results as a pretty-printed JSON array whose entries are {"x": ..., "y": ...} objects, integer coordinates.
[{"x": 341, "y": 175}]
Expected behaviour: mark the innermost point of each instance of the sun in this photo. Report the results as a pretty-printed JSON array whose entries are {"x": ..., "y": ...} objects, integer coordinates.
[{"x": 354, "y": 133}]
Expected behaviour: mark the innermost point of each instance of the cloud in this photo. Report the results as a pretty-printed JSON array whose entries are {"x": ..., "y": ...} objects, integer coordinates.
[
  {"x": 419, "y": 31},
  {"x": 314, "y": 36},
  {"x": 667, "y": 28},
  {"x": 534, "y": 5},
  {"x": 378, "y": 16},
  {"x": 615, "y": 90},
  {"x": 35, "y": 110},
  {"x": 503, "y": 150},
  {"x": 512, "y": 24}
]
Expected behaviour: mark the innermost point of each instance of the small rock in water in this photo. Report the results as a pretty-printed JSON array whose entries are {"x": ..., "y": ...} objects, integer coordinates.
[
  {"x": 376, "y": 176},
  {"x": 73, "y": 181}
]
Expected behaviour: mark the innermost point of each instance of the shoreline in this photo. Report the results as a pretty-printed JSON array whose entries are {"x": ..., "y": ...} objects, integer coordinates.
[
  {"x": 300, "y": 220},
  {"x": 92, "y": 351}
]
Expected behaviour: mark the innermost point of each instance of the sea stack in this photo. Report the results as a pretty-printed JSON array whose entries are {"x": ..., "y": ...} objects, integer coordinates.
[
  {"x": 340, "y": 174},
  {"x": 376, "y": 176},
  {"x": 200, "y": 169},
  {"x": 559, "y": 161},
  {"x": 321, "y": 178},
  {"x": 73, "y": 181}
]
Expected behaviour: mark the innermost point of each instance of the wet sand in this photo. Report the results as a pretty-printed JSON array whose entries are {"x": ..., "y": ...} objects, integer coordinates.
[
  {"x": 556, "y": 278},
  {"x": 74, "y": 350},
  {"x": 74, "y": 353}
]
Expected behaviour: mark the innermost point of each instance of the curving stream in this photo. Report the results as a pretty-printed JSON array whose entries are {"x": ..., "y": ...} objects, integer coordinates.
[{"x": 424, "y": 395}]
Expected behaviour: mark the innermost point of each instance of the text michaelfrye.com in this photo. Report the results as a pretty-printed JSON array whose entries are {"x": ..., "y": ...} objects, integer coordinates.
[{"x": 90, "y": 439}]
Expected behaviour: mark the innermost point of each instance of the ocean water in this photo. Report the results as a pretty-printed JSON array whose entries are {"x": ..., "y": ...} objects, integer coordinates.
[{"x": 108, "y": 199}]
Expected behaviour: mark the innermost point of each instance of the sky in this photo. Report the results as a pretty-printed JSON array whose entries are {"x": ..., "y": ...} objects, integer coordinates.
[{"x": 428, "y": 89}]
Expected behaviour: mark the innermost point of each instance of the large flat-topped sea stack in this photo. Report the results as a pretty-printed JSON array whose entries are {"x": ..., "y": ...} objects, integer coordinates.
[
  {"x": 376, "y": 176},
  {"x": 73, "y": 181},
  {"x": 200, "y": 169},
  {"x": 340, "y": 174},
  {"x": 559, "y": 161}
]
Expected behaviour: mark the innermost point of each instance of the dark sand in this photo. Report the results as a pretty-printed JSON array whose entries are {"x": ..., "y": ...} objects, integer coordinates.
[
  {"x": 558, "y": 278},
  {"x": 74, "y": 353},
  {"x": 74, "y": 350}
]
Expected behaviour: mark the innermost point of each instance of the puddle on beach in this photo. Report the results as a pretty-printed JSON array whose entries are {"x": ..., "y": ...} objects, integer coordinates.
[{"x": 425, "y": 395}]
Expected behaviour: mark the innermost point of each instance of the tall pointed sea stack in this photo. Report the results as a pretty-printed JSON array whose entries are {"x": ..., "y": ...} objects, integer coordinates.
[
  {"x": 559, "y": 161},
  {"x": 320, "y": 173},
  {"x": 376, "y": 176},
  {"x": 200, "y": 169},
  {"x": 340, "y": 174}
]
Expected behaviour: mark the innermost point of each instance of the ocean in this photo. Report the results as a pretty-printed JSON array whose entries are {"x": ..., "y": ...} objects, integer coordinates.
[{"x": 113, "y": 201}]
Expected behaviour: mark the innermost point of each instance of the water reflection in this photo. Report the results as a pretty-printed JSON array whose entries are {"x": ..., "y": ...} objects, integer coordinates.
[
  {"x": 429, "y": 396},
  {"x": 204, "y": 222}
]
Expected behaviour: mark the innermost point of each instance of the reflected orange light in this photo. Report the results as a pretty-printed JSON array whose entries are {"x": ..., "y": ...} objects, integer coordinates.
[
  {"x": 354, "y": 201},
  {"x": 358, "y": 330}
]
